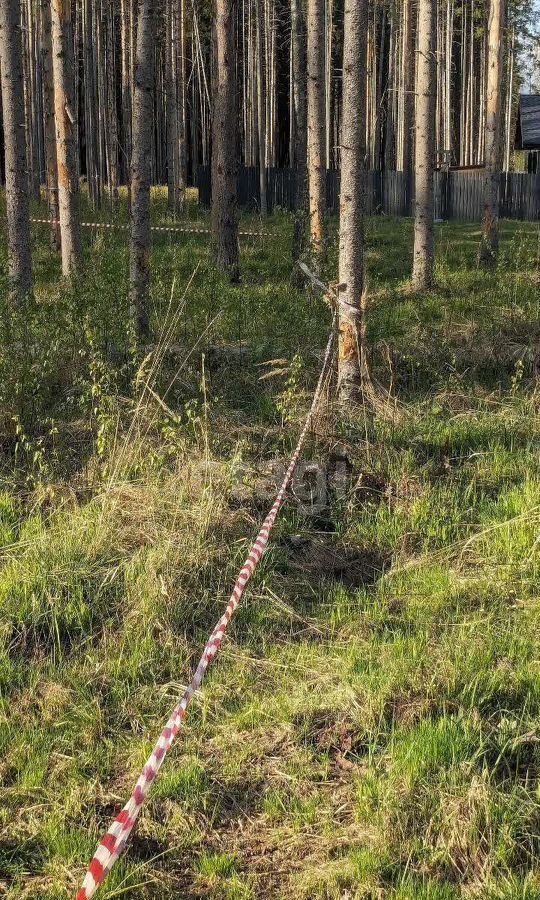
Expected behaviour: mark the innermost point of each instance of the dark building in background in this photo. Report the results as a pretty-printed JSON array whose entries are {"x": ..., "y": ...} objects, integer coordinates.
[{"x": 528, "y": 130}]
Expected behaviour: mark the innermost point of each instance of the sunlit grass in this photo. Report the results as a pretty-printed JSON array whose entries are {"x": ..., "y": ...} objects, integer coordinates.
[{"x": 375, "y": 738}]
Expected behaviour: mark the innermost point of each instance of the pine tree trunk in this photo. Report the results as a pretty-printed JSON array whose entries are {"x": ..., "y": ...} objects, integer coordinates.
[
  {"x": 89, "y": 104},
  {"x": 66, "y": 136},
  {"x": 101, "y": 119},
  {"x": 173, "y": 158},
  {"x": 141, "y": 168},
  {"x": 424, "y": 249},
  {"x": 132, "y": 40},
  {"x": 194, "y": 112},
  {"x": 49, "y": 128},
  {"x": 409, "y": 39},
  {"x": 181, "y": 87},
  {"x": 390, "y": 130},
  {"x": 379, "y": 88},
  {"x": 271, "y": 93},
  {"x": 18, "y": 212},
  {"x": 29, "y": 81},
  {"x": 125, "y": 20},
  {"x": 299, "y": 116},
  {"x": 371, "y": 112},
  {"x": 509, "y": 101},
  {"x": 261, "y": 104},
  {"x": 316, "y": 117},
  {"x": 489, "y": 246},
  {"x": 224, "y": 144},
  {"x": 352, "y": 365},
  {"x": 38, "y": 96},
  {"x": 328, "y": 29},
  {"x": 112, "y": 114},
  {"x": 448, "y": 80}
]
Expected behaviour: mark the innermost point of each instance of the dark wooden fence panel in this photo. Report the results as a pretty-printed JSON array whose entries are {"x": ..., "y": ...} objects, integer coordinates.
[
  {"x": 396, "y": 200},
  {"x": 465, "y": 196},
  {"x": 458, "y": 195},
  {"x": 520, "y": 196},
  {"x": 532, "y": 206}
]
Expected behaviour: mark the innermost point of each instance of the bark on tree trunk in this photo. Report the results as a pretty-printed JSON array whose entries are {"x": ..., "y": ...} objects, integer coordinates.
[
  {"x": 141, "y": 167},
  {"x": 509, "y": 100},
  {"x": 261, "y": 104},
  {"x": 299, "y": 115},
  {"x": 352, "y": 367},
  {"x": 173, "y": 159},
  {"x": 390, "y": 130},
  {"x": 49, "y": 128},
  {"x": 489, "y": 246},
  {"x": 90, "y": 105},
  {"x": 408, "y": 91},
  {"x": 29, "y": 82},
  {"x": 316, "y": 117},
  {"x": 66, "y": 136},
  {"x": 224, "y": 144},
  {"x": 112, "y": 124},
  {"x": 18, "y": 212},
  {"x": 181, "y": 85},
  {"x": 424, "y": 250},
  {"x": 125, "y": 19}
]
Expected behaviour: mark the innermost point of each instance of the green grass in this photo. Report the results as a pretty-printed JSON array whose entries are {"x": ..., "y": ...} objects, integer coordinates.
[{"x": 374, "y": 736}]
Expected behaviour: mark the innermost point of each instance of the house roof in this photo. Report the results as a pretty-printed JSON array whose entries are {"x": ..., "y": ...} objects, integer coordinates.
[{"x": 528, "y": 122}]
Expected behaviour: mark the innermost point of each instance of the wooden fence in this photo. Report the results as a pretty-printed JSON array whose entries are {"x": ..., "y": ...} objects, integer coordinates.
[{"x": 458, "y": 195}]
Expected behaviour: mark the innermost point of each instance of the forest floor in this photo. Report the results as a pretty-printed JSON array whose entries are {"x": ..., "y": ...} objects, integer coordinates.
[{"x": 371, "y": 728}]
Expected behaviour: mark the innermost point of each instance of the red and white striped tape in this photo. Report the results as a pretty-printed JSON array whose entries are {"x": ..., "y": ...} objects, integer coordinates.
[
  {"x": 116, "y": 837},
  {"x": 172, "y": 228}
]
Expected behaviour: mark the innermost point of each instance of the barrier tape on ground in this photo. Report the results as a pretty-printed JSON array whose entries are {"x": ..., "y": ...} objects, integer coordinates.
[
  {"x": 116, "y": 837},
  {"x": 171, "y": 228}
]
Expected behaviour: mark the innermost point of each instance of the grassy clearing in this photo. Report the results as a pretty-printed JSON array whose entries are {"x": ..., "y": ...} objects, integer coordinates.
[{"x": 371, "y": 729}]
